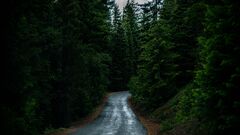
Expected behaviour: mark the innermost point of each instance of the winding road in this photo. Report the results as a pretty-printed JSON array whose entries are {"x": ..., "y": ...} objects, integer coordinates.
[{"x": 117, "y": 118}]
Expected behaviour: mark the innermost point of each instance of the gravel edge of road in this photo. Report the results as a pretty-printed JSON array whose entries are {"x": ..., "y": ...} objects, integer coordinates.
[
  {"x": 152, "y": 127},
  {"x": 89, "y": 118}
]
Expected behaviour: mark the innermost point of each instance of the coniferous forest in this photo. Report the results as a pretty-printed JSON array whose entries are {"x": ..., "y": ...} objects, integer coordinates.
[{"x": 180, "y": 60}]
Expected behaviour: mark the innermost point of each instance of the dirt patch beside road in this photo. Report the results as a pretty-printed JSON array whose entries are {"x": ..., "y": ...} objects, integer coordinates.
[{"x": 153, "y": 128}]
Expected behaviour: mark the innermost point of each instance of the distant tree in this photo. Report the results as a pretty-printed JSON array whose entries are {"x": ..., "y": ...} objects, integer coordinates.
[
  {"x": 168, "y": 56},
  {"x": 131, "y": 35},
  {"x": 118, "y": 76}
]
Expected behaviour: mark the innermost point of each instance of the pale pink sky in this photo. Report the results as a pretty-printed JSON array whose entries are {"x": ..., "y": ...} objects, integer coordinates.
[{"x": 122, "y": 3}]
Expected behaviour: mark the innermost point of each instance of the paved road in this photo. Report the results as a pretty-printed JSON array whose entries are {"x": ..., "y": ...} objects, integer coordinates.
[{"x": 116, "y": 119}]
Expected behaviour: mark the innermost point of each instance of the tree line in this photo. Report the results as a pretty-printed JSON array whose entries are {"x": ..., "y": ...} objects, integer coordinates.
[
  {"x": 188, "y": 66},
  {"x": 60, "y": 59},
  {"x": 178, "y": 58},
  {"x": 56, "y": 68}
]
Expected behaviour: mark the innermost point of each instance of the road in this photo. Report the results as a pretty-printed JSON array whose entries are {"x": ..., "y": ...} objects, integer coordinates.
[{"x": 117, "y": 118}]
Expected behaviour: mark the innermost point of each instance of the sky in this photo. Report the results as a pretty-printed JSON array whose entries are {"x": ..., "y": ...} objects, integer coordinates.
[{"x": 122, "y": 3}]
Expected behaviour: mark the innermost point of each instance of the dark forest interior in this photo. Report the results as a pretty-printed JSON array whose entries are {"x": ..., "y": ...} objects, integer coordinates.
[{"x": 180, "y": 60}]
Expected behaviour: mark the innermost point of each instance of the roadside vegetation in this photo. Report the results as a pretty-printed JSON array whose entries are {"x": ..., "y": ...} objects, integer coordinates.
[
  {"x": 179, "y": 59},
  {"x": 188, "y": 70}
]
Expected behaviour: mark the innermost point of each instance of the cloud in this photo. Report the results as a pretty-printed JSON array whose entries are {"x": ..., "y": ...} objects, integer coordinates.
[{"x": 122, "y": 3}]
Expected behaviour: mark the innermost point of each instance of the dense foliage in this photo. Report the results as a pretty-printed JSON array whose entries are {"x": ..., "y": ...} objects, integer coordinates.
[
  {"x": 124, "y": 45},
  {"x": 56, "y": 68},
  {"x": 118, "y": 75},
  {"x": 178, "y": 58},
  {"x": 189, "y": 58}
]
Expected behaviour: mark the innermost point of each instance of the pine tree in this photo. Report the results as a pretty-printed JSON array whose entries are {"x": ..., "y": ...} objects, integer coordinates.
[
  {"x": 118, "y": 76},
  {"x": 218, "y": 76},
  {"x": 131, "y": 36},
  {"x": 57, "y": 63}
]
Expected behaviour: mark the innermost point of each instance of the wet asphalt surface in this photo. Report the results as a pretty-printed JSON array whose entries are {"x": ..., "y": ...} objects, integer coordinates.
[{"x": 117, "y": 118}]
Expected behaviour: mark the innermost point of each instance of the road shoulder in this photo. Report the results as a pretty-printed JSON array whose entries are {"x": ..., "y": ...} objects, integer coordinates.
[{"x": 153, "y": 128}]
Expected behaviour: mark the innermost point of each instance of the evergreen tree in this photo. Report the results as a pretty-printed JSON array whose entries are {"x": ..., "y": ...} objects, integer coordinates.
[
  {"x": 118, "y": 75},
  {"x": 156, "y": 69},
  {"x": 62, "y": 55},
  {"x": 57, "y": 63},
  {"x": 218, "y": 76},
  {"x": 131, "y": 36}
]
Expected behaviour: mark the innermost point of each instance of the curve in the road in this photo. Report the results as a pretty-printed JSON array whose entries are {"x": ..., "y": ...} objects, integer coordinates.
[{"x": 117, "y": 118}]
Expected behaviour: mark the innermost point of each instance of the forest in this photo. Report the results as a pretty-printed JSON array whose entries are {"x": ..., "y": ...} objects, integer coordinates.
[{"x": 180, "y": 60}]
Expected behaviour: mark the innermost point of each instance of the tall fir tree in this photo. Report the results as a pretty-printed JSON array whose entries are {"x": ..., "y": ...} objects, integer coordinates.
[
  {"x": 131, "y": 30},
  {"x": 118, "y": 76}
]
